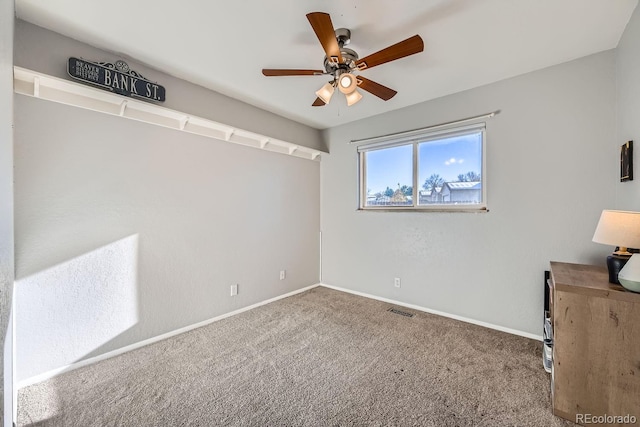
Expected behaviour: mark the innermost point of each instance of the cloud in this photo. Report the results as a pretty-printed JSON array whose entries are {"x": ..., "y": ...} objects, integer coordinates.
[{"x": 453, "y": 161}]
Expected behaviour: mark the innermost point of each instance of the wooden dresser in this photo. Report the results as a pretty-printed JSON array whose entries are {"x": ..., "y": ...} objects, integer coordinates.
[{"x": 596, "y": 345}]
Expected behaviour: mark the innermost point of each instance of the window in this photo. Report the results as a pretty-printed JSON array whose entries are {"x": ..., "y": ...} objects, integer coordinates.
[{"x": 442, "y": 170}]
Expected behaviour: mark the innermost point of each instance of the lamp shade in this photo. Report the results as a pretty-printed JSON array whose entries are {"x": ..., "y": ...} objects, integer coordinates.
[
  {"x": 325, "y": 92},
  {"x": 618, "y": 228},
  {"x": 347, "y": 83},
  {"x": 353, "y": 97}
]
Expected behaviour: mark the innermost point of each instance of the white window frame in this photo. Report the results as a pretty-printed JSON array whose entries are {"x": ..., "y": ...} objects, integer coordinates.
[{"x": 415, "y": 138}]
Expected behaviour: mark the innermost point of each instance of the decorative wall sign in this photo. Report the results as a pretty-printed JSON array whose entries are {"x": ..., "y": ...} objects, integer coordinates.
[
  {"x": 118, "y": 78},
  {"x": 626, "y": 162}
]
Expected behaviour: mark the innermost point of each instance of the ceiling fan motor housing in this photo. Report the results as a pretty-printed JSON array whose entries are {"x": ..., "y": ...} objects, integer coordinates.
[{"x": 349, "y": 56}]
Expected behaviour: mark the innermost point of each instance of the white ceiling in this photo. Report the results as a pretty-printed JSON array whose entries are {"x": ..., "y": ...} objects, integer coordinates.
[{"x": 223, "y": 45}]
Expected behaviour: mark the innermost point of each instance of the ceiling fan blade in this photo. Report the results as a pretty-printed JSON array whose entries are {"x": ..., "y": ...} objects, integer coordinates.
[
  {"x": 323, "y": 27},
  {"x": 318, "y": 103},
  {"x": 271, "y": 72},
  {"x": 376, "y": 89},
  {"x": 399, "y": 50}
]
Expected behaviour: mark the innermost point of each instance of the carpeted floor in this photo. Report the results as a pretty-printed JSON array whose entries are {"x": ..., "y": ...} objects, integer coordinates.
[{"x": 319, "y": 358}]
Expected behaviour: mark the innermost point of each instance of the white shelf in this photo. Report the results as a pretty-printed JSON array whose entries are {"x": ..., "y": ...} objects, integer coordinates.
[{"x": 31, "y": 83}]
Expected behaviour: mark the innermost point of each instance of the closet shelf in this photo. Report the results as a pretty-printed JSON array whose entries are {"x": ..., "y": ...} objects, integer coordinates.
[{"x": 32, "y": 83}]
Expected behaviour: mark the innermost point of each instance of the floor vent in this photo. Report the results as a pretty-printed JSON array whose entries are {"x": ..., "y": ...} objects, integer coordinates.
[{"x": 400, "y": 312}]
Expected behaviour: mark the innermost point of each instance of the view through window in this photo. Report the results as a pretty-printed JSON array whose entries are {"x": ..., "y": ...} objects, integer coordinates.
[{"x": 438, "y": 170}]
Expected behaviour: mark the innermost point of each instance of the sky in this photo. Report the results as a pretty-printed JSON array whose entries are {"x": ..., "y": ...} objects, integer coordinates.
[{"x": 446, "y": 157}]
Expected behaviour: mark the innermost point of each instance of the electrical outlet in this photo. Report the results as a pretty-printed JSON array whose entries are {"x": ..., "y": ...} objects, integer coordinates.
[
  {"x": 396, "y": 282},
  {"x": 283, "y": 274},
  {"x": 234, "y": 290}
]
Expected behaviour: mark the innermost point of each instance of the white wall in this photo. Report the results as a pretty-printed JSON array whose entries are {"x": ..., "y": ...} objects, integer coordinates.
[
  {"x": 628, "y": 106},
  {"x": 125, "y": 230},
  {"x": 548, "y": 180},
  {"x": 6, "y": 208}
]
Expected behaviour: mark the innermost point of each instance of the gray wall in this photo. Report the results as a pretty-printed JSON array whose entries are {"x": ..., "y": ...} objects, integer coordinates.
[
  {"x": 628, "y": 100},
  {"x": 125, "y": 230},
  {"x": 42, "y": 50},
  {"x": 548, "y": 180},
  {"x": 6, "y": 208}
]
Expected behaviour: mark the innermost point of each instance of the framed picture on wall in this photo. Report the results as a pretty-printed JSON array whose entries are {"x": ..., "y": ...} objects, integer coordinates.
[{"x": 626, "y": 162}]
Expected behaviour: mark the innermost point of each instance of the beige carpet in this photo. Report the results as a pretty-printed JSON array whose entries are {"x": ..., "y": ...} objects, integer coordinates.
[{"x": 320, "y": 358}]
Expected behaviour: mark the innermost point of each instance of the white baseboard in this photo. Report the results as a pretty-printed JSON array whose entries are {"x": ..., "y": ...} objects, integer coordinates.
[
  {"x": 439, "y": 313},
  {"x": 55, "y": 372}
]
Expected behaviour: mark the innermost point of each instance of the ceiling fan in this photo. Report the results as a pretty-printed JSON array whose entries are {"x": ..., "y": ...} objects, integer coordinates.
[{"x": 341, "y": 62}]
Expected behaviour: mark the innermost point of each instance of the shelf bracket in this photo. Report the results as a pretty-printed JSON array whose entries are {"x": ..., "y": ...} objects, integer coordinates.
[
  {"x": 123, "y": 107},
  {"x": 184, "y": 121},
  {"x": 36, "y": 87}
]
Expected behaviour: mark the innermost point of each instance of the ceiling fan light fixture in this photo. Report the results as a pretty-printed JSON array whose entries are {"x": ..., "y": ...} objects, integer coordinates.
[
  {"x": 325, "y": 92},
  {"x": 347, "y": 83},
  {"x": 353, "y": 97}
]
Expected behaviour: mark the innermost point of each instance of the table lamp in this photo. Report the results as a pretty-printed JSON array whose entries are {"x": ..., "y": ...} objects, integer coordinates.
[{"x": 620, "y": 229}]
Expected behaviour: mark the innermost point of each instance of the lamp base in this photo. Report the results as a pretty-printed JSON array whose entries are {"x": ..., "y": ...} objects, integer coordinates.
[
  {"x": 615, "y": 264},
  {"x": 629, "y": 276}
]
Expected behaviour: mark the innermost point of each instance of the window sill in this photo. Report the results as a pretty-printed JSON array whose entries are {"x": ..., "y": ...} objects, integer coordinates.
[{"x": 439, "y": 209}]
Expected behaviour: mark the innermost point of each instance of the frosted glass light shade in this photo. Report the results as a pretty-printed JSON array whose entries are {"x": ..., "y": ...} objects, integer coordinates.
[
  {"x": 353, "y": 97},
  {"x": 325, "y": 92},
  {"x": 347, "y": 83},
  {"x": 618, "y": 228}
]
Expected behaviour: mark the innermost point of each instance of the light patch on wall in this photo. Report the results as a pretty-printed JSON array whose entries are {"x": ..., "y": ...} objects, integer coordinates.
[{"x": 84, "y": 302}]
